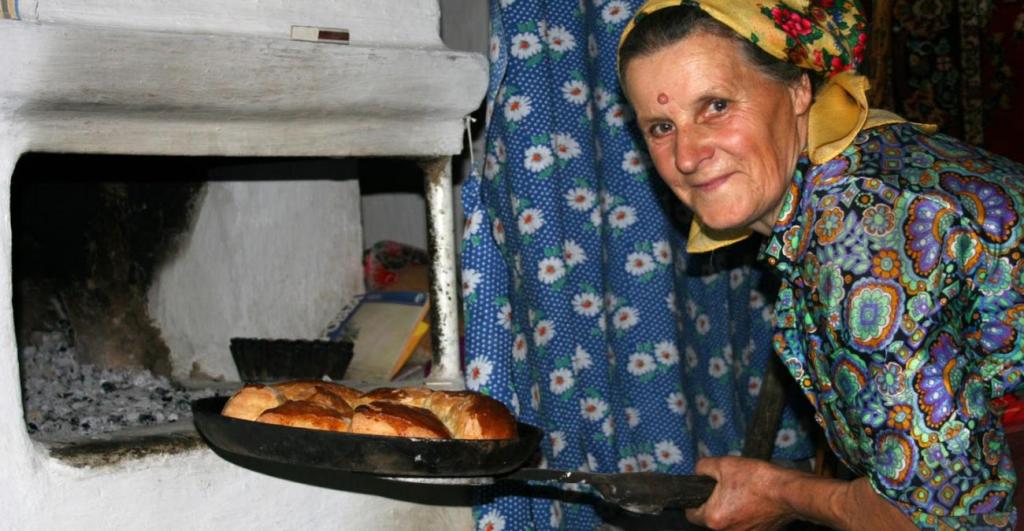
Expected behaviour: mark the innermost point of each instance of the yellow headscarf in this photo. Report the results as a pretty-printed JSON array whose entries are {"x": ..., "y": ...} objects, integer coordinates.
[{"x": 826, "y": 36}]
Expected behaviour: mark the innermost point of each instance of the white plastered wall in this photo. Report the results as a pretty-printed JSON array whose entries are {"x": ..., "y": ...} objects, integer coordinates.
[{"x": 264, "y": 259}]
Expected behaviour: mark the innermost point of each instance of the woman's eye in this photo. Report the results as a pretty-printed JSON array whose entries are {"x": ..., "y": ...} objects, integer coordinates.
[
  {"x": 659, "y": 130},
  {"x": 719, "y": 105}
]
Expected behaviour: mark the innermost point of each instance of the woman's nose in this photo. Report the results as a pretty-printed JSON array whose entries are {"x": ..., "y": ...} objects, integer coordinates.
[{"x": 692, "y": 148}]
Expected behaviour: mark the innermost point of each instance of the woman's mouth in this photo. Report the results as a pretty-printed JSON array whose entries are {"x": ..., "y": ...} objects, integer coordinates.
[{"x": 713, "y": 184}]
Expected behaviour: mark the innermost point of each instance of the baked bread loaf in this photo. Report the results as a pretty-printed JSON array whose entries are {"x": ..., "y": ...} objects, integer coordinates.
[
  {"x": 466, "y": 414},
  {"x": 324, "y": 394},
  {"x": 401, "y": 412},
  {"x": 302, "y": 389},
  {"x": 393, "y": 419},
  {"x": 251, "y": 401},
  {"x": 303, "y": 414}
]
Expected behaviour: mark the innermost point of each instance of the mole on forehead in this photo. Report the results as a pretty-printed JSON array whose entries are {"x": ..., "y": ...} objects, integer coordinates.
[{"x": 662, "y": 98}]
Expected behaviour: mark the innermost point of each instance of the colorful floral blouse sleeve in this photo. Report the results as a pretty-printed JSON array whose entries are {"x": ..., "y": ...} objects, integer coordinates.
[{"x": 901, "y": 315}]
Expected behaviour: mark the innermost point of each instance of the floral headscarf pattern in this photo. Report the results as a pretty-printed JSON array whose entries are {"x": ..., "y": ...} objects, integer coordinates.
[{"x": 826, "y": 36}]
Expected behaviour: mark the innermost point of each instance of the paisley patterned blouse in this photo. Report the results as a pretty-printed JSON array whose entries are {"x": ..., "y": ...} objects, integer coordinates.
[{"x": 901, "y": 315}]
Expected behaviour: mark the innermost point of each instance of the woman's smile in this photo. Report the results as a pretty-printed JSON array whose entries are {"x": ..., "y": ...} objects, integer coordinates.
[{"x": 715, "y": 183}]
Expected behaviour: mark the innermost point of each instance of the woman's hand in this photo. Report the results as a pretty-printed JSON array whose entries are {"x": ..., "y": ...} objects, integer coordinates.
[
  {"x": 746, "y": 497},
  {"x": 754, "y": 494}
]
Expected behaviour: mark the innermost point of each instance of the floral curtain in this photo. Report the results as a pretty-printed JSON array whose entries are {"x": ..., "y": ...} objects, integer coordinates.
[{"x": 583, "y": 313}]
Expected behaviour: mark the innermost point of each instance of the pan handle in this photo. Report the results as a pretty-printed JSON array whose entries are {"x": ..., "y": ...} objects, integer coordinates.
[{"x": 644, "y": 492}]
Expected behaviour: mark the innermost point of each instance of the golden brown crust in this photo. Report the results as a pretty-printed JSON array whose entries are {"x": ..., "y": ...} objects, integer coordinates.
[
  {"x": 303, "y": 414},
  {"x": 476, "y": 416},
  {"x": 251, "y": 401},
  {"x": 403, "y": 412},
  {"x": 329, "y": 400},
  {"x": 393, "y": 419},
  {"x": 466, "y": 414},
  {"x": 302, "y": 389},
  {"x": 409, "y": 396}
]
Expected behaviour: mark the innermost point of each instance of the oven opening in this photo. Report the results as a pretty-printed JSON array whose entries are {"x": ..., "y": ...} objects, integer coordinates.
[{"x": 132, "y": 273}]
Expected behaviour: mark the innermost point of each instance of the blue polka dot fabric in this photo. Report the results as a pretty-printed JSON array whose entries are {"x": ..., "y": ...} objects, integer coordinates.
[{"x": 583, "y": 312}]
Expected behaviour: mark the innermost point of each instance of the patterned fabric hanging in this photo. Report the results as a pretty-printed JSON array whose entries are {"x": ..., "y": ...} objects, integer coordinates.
[
  {"x": 956, "y": 64},
  {"x": 583, "y": 312}
]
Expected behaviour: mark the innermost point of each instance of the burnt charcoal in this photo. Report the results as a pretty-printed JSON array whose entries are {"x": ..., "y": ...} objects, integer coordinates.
[{"x": 64, "y": 398}]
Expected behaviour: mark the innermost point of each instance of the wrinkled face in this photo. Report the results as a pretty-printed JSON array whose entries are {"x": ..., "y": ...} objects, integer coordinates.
[{"x": 723, "y": 135}]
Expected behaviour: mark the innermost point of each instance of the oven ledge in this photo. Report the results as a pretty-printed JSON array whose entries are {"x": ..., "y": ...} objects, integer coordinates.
[
  {"x": 80, "y": 87},
  {"x": 125, "y": 445}
]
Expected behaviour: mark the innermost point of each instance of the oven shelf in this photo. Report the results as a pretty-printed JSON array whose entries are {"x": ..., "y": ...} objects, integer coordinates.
[{"x": 126, "y": 445}]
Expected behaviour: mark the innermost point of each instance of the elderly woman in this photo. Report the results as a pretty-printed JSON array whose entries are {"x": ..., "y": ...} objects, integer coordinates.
[{"x": 901, "y": 310}]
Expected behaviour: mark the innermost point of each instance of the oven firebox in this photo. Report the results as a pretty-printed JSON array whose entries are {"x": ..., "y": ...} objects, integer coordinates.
[{"x": 131, "y": 274}]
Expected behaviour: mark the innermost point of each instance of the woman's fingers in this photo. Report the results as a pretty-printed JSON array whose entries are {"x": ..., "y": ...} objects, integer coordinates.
[
  {"x": 707, "y": 466},
  {"x": 742, "y": 497}
]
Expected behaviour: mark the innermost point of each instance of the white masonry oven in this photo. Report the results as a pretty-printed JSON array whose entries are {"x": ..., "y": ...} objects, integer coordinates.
[{"x": 239, "y": 131}]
